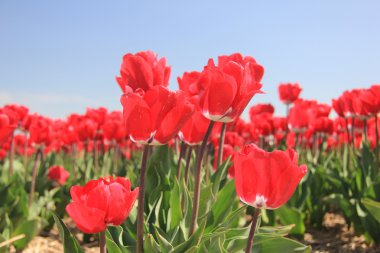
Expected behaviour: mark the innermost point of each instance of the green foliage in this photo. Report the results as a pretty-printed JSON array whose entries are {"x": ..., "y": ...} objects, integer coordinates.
[
  {"x": 70, "y": 244},
  {"x": 344, "y": 180}
]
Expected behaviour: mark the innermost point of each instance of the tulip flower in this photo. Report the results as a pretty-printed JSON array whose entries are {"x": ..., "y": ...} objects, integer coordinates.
[
  {"x": 227, "y": 88},
  {"x": 143, "y": 71},
  {"x": 265, "y": 179},
  {"x": 194, "y": 129},
  {"x": 259, "y": 109},
  {"x": 155, "y": 117},
  {"x": 58, "y": 174},
  {"x": 101, "y": 202},
  {"x": 6, "y": 127},
  {"x": 289, "y": 92}
]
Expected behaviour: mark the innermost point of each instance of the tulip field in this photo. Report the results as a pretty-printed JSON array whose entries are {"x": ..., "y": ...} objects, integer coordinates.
[{"x": 184, "y": 172}]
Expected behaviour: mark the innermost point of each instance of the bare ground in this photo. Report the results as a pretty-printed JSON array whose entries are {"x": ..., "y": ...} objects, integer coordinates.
[{"x": 336, "y": 237}]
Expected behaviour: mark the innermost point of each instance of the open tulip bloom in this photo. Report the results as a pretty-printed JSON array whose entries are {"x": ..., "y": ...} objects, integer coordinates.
[{"x": 101, "y": 202}]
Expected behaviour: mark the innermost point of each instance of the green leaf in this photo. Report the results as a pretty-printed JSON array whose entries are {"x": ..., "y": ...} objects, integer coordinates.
[
  {"x": 219, "y": 175},
  {"x": 373, "y": 207},
  {"x": 192, "y": 241},
  {"x": 29, "y": 228},
  {"x": 111, "y": 245},
  {"x": 289, "y": 215},
  {"x": 165, "y": 245},
  {"x": 70, "y": 244},
  {"x": 175, "y": 206},
  {"x": 224, "y": 202},
  {"x": 270, "y": 244},
  {"x": 3, "y": 249},
  {"x": 150, "y": 245}
]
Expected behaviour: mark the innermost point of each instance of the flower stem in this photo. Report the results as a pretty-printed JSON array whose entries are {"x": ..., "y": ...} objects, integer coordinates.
[
  {"x": 11, "y": 154},
  {"x": 181, "y": 155},
  {"x": 34, "y": 175},
  {"x": 251, "y": 235},
  {"x": 353, "y": 132},
  {"x": 221, "y": 144},
  {"x": 140, "y": 206},
  {"x": 187, "y": 168},
  {"x": 197, "y": 186},
  {"x": 102, "y": 242}
]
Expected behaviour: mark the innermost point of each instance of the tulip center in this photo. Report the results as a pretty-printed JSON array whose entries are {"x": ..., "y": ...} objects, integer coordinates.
[{"x": 260, "y": 201}]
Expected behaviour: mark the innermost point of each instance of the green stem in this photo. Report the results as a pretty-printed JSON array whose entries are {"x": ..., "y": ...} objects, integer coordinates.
[
  {"x": 140, "y": 206},
  {"x": 11, "y": 154},
  {"x": 181, "y": 154},
  {"x": 221, "y": 144},
  {"x": 187, "y": 168},
  {"x": 197, "y": 186},
  {"x": 34, "y": 175},
  {"x": 251, "y": 235},
  {"x": 102, "y": 242}
]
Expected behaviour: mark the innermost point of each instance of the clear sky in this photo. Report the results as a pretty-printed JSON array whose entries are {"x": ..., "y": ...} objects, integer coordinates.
[{"x": 58, "y": 57}]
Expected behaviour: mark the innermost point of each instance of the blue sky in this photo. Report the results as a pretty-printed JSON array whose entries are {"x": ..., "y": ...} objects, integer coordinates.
[{"x": 60, "y": 57}]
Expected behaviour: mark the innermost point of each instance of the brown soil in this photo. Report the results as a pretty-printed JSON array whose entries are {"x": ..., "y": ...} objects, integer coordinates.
[{"x": 336, "y": 237}]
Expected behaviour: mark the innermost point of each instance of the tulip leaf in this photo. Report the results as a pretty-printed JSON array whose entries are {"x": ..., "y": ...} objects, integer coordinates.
[
  {"x": 224, "y": 202},
  {"x": 289, "y": 215},
  {"x": 111, "y": 245},
  {"x": 270, "y": 244},
  {"x": 281, "y": 230},
  {"x": 150, "y": 245},
  {"x": 193, "y": 239},
  {"x": 175, "y": 206},
  {"x": 192, "y": 249},
  {"x": 165, "y": 245},
  {"x": 220, "y": 174},
  {"x": 4, "y": 248},
  {"x": 69, "y": 242},
  {"x": 373, "y": 207},
  {"x": 29, "y": 228}
]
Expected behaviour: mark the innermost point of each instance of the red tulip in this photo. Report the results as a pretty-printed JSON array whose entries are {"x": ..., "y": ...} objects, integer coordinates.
[
  {"x": 262, "y": 125},
  {"x": 289, "y": 92},
  {"x": 156, "y": 116},
  {"x": 323, "y": 125},
  {"x": 102, "y": 202},
  {"x": 226, "y": 89},
  {"x": 40, "y": 130},
  {"x": 339, "y": 106},
  {"x": 189, "y": 83},
  {"x": 259, "y": 109},
  {"x": 87, "y": 128},
  {"x": 143, "y": 71},
  {"x": 194, "y": 130},
  {"x": 58, "y": 174},
  {"x": 266, "y": 179},
  {"x": 6, "y": 128}
]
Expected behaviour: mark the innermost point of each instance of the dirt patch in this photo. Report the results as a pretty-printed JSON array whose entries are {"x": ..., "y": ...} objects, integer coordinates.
[{"x": 337, "y": 237}]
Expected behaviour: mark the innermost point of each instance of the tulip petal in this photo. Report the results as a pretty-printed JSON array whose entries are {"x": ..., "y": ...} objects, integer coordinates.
[{"x": 88, "y": 220}]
